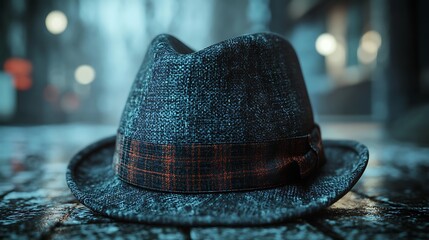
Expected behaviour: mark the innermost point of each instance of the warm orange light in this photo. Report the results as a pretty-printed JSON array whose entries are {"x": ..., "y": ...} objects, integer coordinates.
[{"x": 20, "y": 69}]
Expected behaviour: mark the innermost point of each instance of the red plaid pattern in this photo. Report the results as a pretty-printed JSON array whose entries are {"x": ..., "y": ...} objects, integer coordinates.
[{"x": 216, "y": 167}]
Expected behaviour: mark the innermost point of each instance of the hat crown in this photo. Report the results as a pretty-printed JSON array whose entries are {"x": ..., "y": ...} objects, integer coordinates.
[{"x": 246, "y": 89}]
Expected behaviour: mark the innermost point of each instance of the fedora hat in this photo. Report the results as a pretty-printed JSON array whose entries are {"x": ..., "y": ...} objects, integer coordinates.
[{"x": 220, "y": 136}]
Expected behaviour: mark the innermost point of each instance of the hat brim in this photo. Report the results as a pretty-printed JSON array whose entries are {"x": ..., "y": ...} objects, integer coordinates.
[{"x": 91, "y": 178}]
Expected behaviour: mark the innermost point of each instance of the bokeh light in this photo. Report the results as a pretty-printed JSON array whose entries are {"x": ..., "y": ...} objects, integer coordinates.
[
  {"x": 70, "y": 102},
  {"x": 368, "y": 48},
  {"x": 51, "y": 94},
  {"x": 84, "y": 74},
  {"x": 56, "y": 22},
  {"x": 371, "y": 41},
  {"x": 20, "y": 69},
  {"x": 326, "y": 44}
]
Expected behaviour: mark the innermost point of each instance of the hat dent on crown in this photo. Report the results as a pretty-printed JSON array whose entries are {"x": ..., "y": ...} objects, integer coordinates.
[{"x": 246, "y": 89}]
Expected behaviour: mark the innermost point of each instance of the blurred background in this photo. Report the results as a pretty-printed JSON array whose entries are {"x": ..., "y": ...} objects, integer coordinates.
[{"x": 75, "y": 60}]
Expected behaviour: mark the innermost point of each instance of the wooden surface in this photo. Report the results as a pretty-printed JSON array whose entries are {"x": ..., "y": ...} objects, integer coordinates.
[{"x": 390, "y": 201}]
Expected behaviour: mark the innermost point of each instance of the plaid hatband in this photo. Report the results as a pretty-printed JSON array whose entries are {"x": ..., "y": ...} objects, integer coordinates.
[{"x": 196, "y": 168}]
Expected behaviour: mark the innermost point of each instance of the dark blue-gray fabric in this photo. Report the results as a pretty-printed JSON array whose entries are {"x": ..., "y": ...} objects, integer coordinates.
[{"x": 246, "y": 89}]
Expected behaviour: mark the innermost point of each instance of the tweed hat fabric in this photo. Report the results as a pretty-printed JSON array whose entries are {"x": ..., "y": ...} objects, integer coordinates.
[{"x": 221, "y": 136}]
